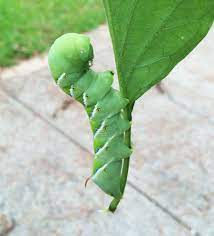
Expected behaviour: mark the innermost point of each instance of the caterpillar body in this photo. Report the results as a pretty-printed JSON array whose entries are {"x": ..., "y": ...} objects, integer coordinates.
[{"x": 70, "y": 59}]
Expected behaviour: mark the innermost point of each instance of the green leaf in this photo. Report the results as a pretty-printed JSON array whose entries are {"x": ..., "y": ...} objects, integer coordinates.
[{"x": 151, "y": 36}]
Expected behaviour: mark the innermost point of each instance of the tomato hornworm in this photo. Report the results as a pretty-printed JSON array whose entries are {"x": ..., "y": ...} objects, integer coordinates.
[{"x": 70, "y": 59}]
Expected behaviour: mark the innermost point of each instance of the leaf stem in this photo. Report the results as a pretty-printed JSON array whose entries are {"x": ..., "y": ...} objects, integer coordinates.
[{"x": 125, "y": 167}]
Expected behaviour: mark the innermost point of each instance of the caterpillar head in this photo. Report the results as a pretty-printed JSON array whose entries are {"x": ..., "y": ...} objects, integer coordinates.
[{"x": 70, "y": 56}]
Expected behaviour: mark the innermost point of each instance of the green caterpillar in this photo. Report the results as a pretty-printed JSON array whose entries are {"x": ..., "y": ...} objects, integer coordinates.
[{"x": 70, "y": 59}]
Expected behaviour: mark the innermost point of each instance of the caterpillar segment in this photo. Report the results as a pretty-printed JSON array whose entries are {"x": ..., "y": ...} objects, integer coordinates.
[{"x": 70, "y": 59}]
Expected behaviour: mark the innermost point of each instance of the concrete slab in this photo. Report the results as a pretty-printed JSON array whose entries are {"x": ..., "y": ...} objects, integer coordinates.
[{"x": 42, "y": 185}]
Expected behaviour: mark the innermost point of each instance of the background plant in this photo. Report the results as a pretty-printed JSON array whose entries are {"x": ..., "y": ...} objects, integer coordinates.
[{"x": 28, "y": 27}]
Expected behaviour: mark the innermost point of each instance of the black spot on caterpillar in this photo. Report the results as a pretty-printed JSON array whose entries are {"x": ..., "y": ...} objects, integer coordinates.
[{"x": 70, "y": 58}]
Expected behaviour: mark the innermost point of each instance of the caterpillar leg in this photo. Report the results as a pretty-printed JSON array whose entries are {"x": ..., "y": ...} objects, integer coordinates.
[{"x": 69, "y": 59}]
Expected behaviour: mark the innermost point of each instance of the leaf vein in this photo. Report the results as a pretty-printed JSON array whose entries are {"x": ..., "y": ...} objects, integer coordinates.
[
  {"x": 147, "y": 46},
  {"x": 143, "y": 90}
]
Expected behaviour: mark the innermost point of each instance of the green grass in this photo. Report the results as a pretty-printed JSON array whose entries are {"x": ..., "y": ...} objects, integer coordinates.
[{"x": 28, "y": 27}]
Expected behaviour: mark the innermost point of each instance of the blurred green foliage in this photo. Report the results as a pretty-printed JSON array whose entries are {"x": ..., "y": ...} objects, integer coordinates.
[{"x": 28, "y": 27}]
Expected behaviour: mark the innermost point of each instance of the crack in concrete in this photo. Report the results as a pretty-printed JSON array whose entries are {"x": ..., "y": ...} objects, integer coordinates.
[
  {"x": 164, "y": 209},
  {"x": 161, "y": 89},
  {"x": 64, "y": 106}
]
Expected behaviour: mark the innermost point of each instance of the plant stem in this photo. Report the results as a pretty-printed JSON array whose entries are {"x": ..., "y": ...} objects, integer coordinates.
[
  {"x": 114, "y": 204},
  {"x": 125, "y": 167}
]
